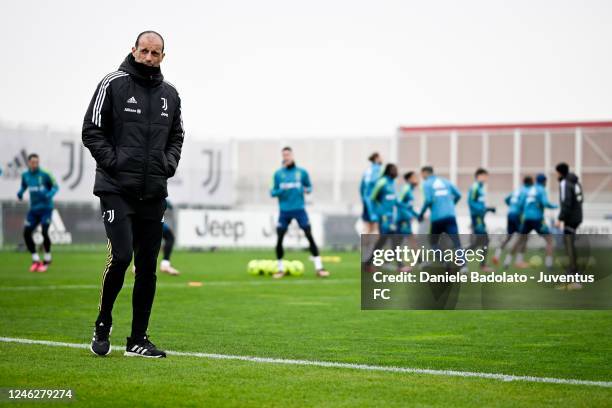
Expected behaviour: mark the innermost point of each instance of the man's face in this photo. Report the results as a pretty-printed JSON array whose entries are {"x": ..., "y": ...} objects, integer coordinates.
[
  {"x": 393, "y": 172},
  {"x": 149, "y": 51},
  {"x": 414, "y": 180},
  {"x": 287, "y": 158},
  {"x": 559, "y": 176},
  {"x": 424, "y": 175},
  {"x": 33, "y": 163},
  {"x": 482, "y": 178},
  {"x": 378, "y": 160}
]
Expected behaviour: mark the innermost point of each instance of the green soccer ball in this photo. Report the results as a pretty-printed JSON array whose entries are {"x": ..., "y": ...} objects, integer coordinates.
[
  {"x": 270, "y": 266},
  {"x": 253, "y": 267},
  {"x": 297, "y": 268},
  {"x": 535, "y": 261},
  {"x": 289, "y": 268}
]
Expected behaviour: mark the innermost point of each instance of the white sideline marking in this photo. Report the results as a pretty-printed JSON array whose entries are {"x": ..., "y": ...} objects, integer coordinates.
[
  {"x": 288, "y": 281},
  {"x": 331, "y": 364}
]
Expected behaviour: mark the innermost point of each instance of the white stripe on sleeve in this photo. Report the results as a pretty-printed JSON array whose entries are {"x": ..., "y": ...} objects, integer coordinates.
[{"x": 96, "y": 116}]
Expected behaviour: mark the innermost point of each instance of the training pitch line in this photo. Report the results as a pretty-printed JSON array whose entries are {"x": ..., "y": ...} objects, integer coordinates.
[
  {"x": 331, "y": 364},
  {"x": 284, "y": 281}
]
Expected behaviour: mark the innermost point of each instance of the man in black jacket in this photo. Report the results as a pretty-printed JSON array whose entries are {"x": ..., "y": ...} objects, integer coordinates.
[
  {"x": 133, "y": 129},
  {"x": 570, "y": 216}
]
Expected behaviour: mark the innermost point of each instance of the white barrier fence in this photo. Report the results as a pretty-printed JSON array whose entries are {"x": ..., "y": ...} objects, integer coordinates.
[
  {"x": 81, "y": 224},
  {"x": 218, "y": 228}
]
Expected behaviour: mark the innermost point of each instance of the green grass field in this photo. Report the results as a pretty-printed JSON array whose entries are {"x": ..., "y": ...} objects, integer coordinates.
[{"x": 296, "y": 318}]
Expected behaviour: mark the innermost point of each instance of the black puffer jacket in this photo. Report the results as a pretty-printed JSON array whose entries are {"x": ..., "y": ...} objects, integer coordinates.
[
  {"x": 570, "y": 200},
  {"x": 133, "y": 129}
]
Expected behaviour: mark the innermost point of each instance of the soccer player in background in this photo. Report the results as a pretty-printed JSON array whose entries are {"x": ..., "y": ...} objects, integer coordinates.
[
  {"x": 513, "y": 222},
  {"x": 570, "y": 215},
  {"x": 384, "y": 199},
  {"x": 289, "y": 185},
  {"x": 368, "y": 180},
  {"x": 406, "y": 212},
  {"x": 440, "y": 196},
  {"x": 42, "y": 187},
  {"x": 478, "y": 209},
  {"x": 168, "y": 244},
  {"x": 532, "y": 205}
]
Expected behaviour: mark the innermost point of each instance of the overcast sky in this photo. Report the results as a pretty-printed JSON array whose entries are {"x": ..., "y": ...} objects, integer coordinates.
[{"x": 280, "y": 68}]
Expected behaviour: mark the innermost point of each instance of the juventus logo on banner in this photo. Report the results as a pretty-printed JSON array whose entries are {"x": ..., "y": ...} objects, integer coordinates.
[
  {"x": 75, "y": 164},
  {"x": 213, "y": 177}
]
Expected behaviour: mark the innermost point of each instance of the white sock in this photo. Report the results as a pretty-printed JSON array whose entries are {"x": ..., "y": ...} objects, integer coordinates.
[
  {"x": 47, "y": 257},
  {"x": 281, "y": 266},
  {"x": 35, "y": 257},
  {"x": 318, "y": 264},
  {"x": 498, "y": 252},
  {"x": 508, "y": 260},
  {"x": 519, "y": 257},
  {"x": 548, "y": 261},
  {"x": 165, "y": 263}
]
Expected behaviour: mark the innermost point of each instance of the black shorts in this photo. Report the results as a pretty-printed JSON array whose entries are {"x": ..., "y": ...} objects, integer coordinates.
[{"x": 514, "y": 223}]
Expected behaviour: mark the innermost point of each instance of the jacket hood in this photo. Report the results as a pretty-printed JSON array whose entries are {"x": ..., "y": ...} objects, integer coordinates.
[
  {"x": 146, "y": 75},
  {"x": 571, "y": 177}
]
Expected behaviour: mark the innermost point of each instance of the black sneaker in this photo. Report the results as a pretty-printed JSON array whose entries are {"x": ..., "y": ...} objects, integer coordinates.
[
  {"x": 142, "y": 348},
  {"x": 100, "y": 344}
]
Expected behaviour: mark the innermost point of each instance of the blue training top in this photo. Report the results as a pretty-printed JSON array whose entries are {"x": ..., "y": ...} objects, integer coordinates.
[
  {"x": 533, "y": 201},
  {"x": 513, "y": 200},
  {"x": 368, "y": 180},
  {"x": 289, "y": 184},
  {"x": 383, "y": 196},
  {"x": 405, "y": 200},
  {"x": 440, "y": 195},
  {"x": 42, "y": 187},
  {"x": 477, "y": 199}
]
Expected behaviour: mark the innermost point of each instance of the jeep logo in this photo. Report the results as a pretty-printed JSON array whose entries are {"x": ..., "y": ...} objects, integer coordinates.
[{"x": 226, "y": 229}]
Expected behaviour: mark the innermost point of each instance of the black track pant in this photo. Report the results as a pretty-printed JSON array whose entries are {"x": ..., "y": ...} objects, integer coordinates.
[
  {"x": 280, "y": 236},
  {"x": 569, "y": 239},
  {"x": 168, "y": 236},
  {"x": 133, "y": 228},
  {"x": 29, "y": 240}
]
